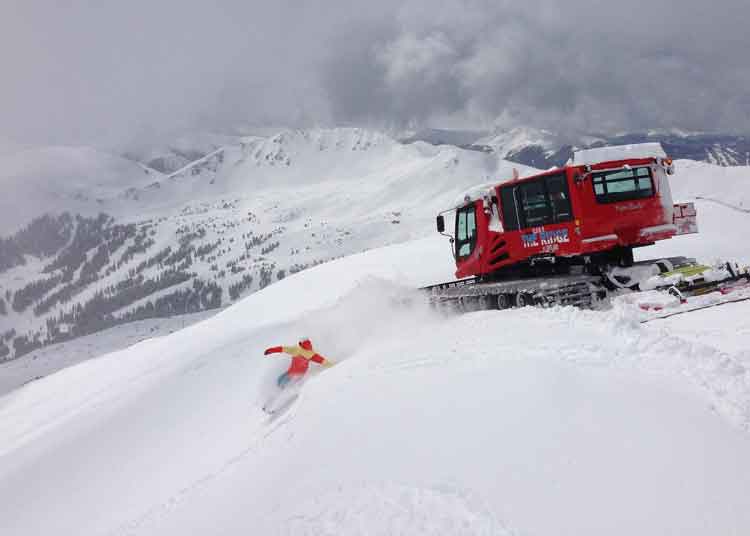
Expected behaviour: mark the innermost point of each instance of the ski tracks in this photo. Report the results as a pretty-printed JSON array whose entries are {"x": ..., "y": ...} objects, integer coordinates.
[
  {"x": 724, "y": 204},
  {"x": 151, "y": 516}
]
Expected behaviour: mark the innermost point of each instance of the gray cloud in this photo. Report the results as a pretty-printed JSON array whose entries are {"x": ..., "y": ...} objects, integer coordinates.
[
  {"x": 580, "y": 64},
  {"x": 111, "y": 72}
]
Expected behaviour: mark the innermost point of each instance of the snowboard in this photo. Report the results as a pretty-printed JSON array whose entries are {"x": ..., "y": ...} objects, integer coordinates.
[
  {"x": 282, "y": 400},
  {"x": 275, "y": 409}
]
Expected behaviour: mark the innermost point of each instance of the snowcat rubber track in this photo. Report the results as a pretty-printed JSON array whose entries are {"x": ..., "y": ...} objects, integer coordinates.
[
  {"x": 578, "y": 290},
  {"x": 471, "y": 294}
]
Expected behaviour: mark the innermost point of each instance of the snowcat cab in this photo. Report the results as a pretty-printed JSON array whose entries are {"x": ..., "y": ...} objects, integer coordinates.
[{"x": 591, "y": 212}]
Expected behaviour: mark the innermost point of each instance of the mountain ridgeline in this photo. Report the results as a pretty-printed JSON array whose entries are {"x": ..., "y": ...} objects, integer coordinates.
[
  {"x": 542, "y": 149},
  {"x": 722, "y": 150},
  {"x": 114, "y": 242}
]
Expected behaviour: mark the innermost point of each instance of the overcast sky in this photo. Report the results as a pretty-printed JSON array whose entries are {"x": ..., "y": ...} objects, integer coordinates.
[{"x": 104, "y": 71}]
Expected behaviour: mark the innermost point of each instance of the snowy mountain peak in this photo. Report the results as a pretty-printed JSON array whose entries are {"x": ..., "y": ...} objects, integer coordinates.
[
  {"x": 284, "y": 146},
  {"x": 504, "y": 141}
]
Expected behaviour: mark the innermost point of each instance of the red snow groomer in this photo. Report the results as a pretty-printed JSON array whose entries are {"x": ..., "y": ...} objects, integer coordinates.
[{"x": 556, "y": 236}]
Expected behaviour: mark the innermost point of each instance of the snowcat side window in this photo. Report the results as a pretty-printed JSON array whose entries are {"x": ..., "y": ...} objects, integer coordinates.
[
  {"x": 559, "y": 199},
  {"x": 623, "y": 185},
  {"x": 466, "y": 231},
  {"x": 539, "y": 202},
  {"x": 534, "y": 203},
  {"x": 510, "y": 215}
]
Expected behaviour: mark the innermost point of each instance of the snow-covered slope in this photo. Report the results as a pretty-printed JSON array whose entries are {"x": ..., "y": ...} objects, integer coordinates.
[
  {"x": 505, "y": 422},
  {"x": 45, "y": 361},
  {"x": 234, "y": 221},
  {"x": 508, "y": 422},
  {"x": 544, "y": 149},
  {"x": 727, "y": 185},
  {"x": 180, "y": 150},
  {"x": 508, "y": 141}
]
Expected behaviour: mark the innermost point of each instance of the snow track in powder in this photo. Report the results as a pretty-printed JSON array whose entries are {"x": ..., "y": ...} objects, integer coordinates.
[
  {"x": 621, "y": 349},
  {"x": 530, "y": 421}
]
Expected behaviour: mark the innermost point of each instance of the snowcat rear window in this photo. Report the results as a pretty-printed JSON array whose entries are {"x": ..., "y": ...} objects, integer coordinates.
[
  {"x": 623, "y": 185},
  {"x": 466, "y": 231}
]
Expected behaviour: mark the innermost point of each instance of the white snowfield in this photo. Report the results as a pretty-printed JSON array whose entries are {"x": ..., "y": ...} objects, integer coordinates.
[
  {"x": 508, "y": 422},
  {"x": 45, "y": 361},
  {"x": 521, "y": 422}
]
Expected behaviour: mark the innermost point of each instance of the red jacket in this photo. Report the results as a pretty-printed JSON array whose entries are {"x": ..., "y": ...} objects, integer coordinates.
[{"x": 301, "y": 357}]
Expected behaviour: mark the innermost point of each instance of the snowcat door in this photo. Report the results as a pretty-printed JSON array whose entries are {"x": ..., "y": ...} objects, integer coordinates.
[
  {"x": 685, "y": 218},
  {"x": 467, "y": 263}
]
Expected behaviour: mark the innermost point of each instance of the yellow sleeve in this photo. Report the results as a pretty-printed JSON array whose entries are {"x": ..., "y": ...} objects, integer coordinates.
[{"x": 291, "y": 350}]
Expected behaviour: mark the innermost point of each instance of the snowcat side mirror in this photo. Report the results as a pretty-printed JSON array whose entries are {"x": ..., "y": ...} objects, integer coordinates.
[{"x": 440, "y": 224}]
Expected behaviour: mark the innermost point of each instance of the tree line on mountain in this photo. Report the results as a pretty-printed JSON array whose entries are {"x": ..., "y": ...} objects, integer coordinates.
[
  {"x": 201, "y": 296},
  {"x": 89, "y": 234},
  {"x": 89, "y": 273},
  {"x": 99, "y": 312},
  {"x": 141, "y": 244},
  {"x": 236, "y": 289},
  {"x": 99, "y": 234},
  {"x": 89, "y": 249},
  {"x": 43, "y": 237},
  {"x": 33, "y": 291},
  {"x": 4, "y": 348}
]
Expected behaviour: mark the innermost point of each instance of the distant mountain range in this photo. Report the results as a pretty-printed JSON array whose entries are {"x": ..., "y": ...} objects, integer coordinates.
[
  {"x": 543, "y": 149},
  {"x": 89, "y": 240}
]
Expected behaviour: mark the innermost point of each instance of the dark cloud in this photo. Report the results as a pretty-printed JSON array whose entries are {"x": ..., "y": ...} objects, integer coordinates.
[
  {"x": 583, "y": 64},
  {"x": 109, "y": 72}
]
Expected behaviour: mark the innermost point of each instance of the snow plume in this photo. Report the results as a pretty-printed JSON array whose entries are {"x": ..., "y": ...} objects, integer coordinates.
[{"x": 370, "y": 315}]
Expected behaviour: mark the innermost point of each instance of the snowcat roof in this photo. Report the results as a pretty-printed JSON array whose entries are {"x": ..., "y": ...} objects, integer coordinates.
[{"x": 617, "y": 153}]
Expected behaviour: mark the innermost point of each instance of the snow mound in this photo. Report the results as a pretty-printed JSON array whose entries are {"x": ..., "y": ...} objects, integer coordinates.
[{"x": 387, "y": 509}]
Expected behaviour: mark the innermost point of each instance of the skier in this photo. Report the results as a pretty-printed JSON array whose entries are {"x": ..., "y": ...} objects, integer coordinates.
[{"x": 301, "y": 354}]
